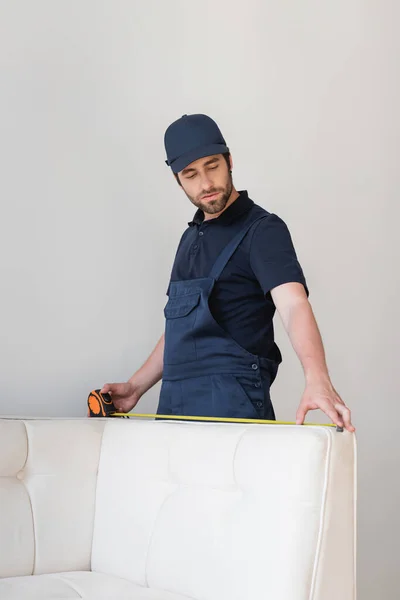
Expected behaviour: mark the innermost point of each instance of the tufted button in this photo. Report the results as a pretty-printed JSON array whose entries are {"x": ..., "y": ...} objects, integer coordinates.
[
  {"x": 195, "y": 247},
  {"x": 201, "y": 232},
  {"x": 259, "y": 404},
  {"x": 254, "y": 367},
  {"x": 257, "y": 385},
  {"x": 20, "y": 475}
]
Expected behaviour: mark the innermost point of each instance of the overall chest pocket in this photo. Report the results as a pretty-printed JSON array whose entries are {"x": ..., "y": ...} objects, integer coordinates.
[{"x": 180, "y": 313}]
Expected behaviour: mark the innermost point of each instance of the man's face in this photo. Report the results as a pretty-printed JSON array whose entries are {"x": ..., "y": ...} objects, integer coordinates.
[{"x": 207, "y": 182}]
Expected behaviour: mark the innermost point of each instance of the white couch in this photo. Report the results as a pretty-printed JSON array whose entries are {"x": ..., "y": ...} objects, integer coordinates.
[{"x": 144, "y": 510}]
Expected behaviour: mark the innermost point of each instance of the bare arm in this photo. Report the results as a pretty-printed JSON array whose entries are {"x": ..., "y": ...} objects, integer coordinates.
[
  {"x": 151, "y": 372},
  {"x": 126, "y": 395},
  {"x": 298, "y": 319}
]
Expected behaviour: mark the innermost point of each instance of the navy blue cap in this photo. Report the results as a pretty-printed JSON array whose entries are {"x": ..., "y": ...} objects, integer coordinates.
[{"x": 192, "y": 137}]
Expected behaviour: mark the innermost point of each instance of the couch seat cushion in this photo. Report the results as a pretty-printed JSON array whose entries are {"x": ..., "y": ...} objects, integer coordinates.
[{"x": 78, "y": 584}]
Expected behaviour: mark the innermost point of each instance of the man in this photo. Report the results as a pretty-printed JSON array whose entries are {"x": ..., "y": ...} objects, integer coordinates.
[{"x": 234, "y": 266}]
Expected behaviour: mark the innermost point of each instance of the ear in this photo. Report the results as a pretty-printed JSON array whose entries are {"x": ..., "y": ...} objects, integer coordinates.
[{"x": 230, "y": 163}]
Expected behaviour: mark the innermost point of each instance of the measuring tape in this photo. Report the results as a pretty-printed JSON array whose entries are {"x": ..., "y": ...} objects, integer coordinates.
[
  {"x": 101, "y": 405},
  {"x": 218, "y": 419}
]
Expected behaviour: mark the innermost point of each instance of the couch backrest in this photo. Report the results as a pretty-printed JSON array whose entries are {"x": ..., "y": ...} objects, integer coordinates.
[
  {"x": 210, "y": 511},
  {"x": 48, "y": 474},
  {"x": 227, "y": 511}
]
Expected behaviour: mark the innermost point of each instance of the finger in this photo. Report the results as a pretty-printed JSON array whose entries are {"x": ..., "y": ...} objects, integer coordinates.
[
  {"x": 301, "y": 414},
  {"x": 113, "y": 388},
  {"x": 346, "y": 414},
  {"x": 332, "y": 413}
]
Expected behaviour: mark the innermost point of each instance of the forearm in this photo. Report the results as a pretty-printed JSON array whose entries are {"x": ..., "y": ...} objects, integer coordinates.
[
  {"x": 298, "y": 318},
  {"x": 306, "y": 340},
  {"x": 151, "y": 372}
]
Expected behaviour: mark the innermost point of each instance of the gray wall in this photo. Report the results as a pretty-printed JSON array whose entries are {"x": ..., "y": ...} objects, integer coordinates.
[{"x": 307, "y": 96}]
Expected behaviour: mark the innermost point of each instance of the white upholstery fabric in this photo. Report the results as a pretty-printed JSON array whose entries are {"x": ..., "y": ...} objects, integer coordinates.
[
  {"x": 225, "y": 511},
  {"x": 47, "y": 494},
  {"x": 205, "y": 511},
  {"x": 89, "y": 586},
  {"x": 16, "y": 521}
]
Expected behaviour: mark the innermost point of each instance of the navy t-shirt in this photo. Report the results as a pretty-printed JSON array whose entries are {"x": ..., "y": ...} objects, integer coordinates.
[{"x": 241, "y": 301}]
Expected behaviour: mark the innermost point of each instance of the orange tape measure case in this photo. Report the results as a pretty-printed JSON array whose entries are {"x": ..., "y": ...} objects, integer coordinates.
[{"x": 100, "y": 405}]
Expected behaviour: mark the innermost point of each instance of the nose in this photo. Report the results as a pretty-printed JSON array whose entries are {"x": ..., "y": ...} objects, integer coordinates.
[{"x": 206, "y": 182}]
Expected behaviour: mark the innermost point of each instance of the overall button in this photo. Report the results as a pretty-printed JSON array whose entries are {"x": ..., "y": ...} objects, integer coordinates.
[
  {"x": 254, "y": 367},
  {"x": 257, "y": 385}
]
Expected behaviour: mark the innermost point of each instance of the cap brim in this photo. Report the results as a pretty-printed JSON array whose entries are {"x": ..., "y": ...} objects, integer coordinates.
[{"x": 183, "y": 161}]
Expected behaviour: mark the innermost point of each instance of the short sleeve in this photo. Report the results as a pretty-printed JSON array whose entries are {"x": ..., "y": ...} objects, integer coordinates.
[
  {"x": 272, "y": 255},
  {"x": 177, "y": 260}
]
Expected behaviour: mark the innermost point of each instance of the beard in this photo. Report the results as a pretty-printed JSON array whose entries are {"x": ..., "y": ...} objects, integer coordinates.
[{"x": 217, "y": 204}]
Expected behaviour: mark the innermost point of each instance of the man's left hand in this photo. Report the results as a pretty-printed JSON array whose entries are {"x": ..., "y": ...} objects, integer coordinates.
[{"x": 324, "y": 397}]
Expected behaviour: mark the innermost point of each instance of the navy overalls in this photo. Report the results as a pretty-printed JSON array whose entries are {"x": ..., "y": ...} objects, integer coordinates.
[{"x": 205, "y": 372}]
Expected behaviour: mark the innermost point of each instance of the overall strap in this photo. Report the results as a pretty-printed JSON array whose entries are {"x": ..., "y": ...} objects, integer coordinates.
[{"x": 230, "y": 248}]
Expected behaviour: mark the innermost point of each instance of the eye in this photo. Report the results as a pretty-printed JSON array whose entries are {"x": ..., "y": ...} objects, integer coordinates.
[
  {"x": 212, "y": 168},
  {"x": 191, "y": 176}
]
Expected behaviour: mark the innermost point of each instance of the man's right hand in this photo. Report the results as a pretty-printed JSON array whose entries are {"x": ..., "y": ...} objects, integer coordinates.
[{"x": 125, "y": 396}]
